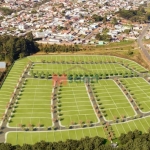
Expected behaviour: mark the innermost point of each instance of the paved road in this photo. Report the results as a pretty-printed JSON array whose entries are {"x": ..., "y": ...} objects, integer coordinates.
[
  {"x": 95, "y": 31},
  {"x": 139, "y": 40}
]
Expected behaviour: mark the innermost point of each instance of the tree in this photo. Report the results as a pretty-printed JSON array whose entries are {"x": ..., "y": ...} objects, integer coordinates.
[
  {"x": 130, "y": 52},
  {"x": 26, "y": 147},
  {"x": 29, "y": 36},
  {"x": 103, "y": 37},
  {"x": 33, "y": 11},
  {"x": 5, "y": 146},
  {"x": 12, "y": 48},
  {"x": 97, "y": 18},
  {"x": 127, "y": 31},
  {"x": 148, "y": 16},
  {"x": 114, "y": 21},
  {"x": 133, "y": 15},
  {"x": 6, "y": 11}
]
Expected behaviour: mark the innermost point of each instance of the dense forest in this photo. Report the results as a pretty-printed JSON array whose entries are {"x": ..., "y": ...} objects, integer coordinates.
[
  {"x": 12, "y": 47},
  {"x": 139, "y": 15},
  {"x": 133, "y": 140}
]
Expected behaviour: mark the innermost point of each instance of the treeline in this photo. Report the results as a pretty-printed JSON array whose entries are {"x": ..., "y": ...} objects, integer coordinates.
[
  {"x": 95, "y": 143},
  {"x": 133, "y": 140},
  {"x": 138, "y": 15},
  {"x": 48, "y": 48},
  {"x": 13, "y": 47}
]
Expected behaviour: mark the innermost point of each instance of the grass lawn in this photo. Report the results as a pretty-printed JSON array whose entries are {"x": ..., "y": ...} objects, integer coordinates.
[
  {"x": 142, "y": 124},
  {"x": 75, "y": 104},
  {"x": 34, "y": 104},
  {"x": 10, "y": 83},
  {"x": 140, "y": 89},
  {"x": 86, "y": 58},
  {"x": 52, "y": 136},
  {"x": 80, "y": 68},
  {"x": 112, "y": 100}
]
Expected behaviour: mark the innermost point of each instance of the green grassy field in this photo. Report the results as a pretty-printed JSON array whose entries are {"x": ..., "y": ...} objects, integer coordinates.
[
  {"x": 80, "y": 68},
  {"x": 87, "y": 58},
  {"x": 140, "y": 89},
  {"x": 53, "y": 136},
  {"x": 76, "y": 106},
  {"x": 34, "y": 104},
  {"x": 29, "y": 137},
  {"x": 9, "y": 84},
  {"x": 112, "y": 100},
  {"x": 142, "y": 124}
]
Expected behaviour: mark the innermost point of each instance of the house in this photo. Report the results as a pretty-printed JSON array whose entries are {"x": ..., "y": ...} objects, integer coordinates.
[
  {"x": 100, "y": 42},
  {"x": 2, "y": 66},
  {"x": 22, "y": 26}
]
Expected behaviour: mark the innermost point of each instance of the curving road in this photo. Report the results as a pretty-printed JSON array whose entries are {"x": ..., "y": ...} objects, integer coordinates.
[{"x": 139, "y": 40}]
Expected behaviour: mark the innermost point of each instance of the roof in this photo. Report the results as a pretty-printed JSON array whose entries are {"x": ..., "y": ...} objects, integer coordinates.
[
  {"x": 101, "y": 42},
  {"x": 2, "y": 65}
]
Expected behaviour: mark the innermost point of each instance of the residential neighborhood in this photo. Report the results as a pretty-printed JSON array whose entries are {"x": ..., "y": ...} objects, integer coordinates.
[{"x": 70, "y": 22}]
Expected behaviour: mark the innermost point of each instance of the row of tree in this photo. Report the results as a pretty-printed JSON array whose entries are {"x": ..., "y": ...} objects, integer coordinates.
[
  {"x": 51, "y": 48},
  {"x": 76, "y": 76}
]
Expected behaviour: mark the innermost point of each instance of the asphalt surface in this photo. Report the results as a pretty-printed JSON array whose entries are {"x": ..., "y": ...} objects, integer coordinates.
[{"x": 139, "y": 40}]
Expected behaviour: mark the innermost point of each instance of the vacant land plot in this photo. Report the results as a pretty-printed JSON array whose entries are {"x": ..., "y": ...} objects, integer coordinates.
[
  {"x": 112, "y": 100},
  {"x": 142, "y": 124},
  {"x": 87, "y": 58},
  {"x": 108, "y": 68},
  {"x": 53, "y": 136},
  {"x": 76, "y": 107},
  {"x": 9, "y": 84},
  {"x": 34, "y": 104},
  {"x": 140, "y": 89}
]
